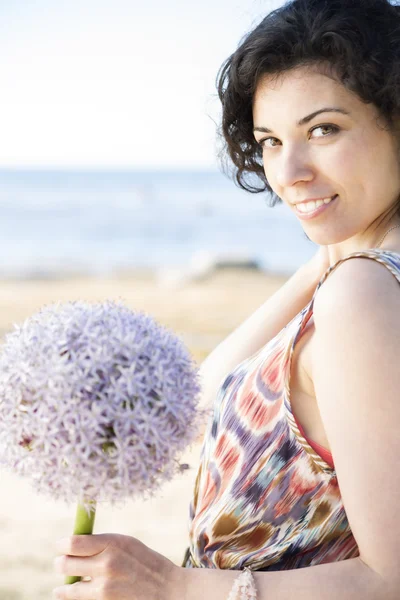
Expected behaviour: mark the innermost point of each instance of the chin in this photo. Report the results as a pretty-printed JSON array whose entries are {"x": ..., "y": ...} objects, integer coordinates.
[
  {"x": 318, "y": 238},
  {"x": 324, "y": 238}
]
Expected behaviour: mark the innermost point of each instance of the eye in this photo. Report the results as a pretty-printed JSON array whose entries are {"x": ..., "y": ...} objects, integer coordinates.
[
  {"x": 263, "y": 144},
  {"x": 332, "y": 129}
]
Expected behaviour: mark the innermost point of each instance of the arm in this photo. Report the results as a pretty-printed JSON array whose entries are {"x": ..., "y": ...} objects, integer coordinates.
[
  {"x": 122, "y": 567},
  {"x": 262, "y": 326},
  {"x": 344, "y": 580},
  {"x": 357, "y": 325}
]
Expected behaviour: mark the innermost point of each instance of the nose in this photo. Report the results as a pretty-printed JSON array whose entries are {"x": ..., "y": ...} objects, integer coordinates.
[{"x": 293, "y": 165}]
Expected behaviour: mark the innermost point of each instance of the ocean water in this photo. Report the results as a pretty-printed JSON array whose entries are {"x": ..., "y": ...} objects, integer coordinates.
[{"x": 54, "y": 223}]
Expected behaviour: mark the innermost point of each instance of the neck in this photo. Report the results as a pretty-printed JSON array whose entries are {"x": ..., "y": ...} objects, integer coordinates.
[{"x": 384, "y": 238}]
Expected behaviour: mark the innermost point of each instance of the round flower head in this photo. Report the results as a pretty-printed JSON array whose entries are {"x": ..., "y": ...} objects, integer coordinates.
[{"x": 96, "y": 402}]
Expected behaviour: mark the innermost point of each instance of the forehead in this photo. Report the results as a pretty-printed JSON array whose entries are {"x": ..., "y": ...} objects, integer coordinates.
[{"x": 300, "y": 92}]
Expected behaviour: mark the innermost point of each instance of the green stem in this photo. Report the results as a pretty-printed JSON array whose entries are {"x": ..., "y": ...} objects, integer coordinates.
[{"x": 83, "y": 526}]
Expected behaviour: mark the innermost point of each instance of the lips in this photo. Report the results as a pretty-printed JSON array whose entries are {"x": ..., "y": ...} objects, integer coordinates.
[{"x": 313, "y": 209}]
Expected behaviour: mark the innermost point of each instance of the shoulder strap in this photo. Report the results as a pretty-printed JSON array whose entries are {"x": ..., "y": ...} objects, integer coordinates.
[{"x": 390, "y": 259}]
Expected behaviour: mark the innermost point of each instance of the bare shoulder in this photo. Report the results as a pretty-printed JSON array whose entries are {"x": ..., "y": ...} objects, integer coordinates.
[
  {"x": 356, "y": 381},
  {"x": 356, "y": 286}
]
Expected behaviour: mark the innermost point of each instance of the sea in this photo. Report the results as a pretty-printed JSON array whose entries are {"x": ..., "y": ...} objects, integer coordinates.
[{"x": 56, "y": 223}]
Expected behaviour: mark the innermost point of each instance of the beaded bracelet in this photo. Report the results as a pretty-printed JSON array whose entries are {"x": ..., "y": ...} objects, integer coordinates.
[{"x": 244, "y": 587}]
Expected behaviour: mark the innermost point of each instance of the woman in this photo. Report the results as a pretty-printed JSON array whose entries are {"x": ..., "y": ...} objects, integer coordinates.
[{"x": 299, "y": 478}]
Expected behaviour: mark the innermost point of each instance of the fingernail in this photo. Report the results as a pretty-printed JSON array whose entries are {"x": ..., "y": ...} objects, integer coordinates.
[{"x": 57, "y": 593}]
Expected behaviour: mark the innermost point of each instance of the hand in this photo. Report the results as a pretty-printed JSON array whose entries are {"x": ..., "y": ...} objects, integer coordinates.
[{"x": 120, "y": 568}]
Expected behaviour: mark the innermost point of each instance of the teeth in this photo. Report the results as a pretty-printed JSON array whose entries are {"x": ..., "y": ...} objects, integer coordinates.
[{"x": 308, "y": 207}]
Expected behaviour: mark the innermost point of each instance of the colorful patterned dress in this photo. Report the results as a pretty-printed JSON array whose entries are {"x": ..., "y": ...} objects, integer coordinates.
[{"x": 264, "y": 496}]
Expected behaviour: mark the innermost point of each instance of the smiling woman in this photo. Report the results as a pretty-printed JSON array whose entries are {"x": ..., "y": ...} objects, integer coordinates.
[
  {"x": 326, "y": 170},
  {"x": 298, "y": 482},
  {"x": 302, "y": 428}
]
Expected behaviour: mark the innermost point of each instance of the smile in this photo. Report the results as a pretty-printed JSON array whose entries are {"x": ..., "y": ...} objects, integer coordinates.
[{"x": 308, "y": 210}]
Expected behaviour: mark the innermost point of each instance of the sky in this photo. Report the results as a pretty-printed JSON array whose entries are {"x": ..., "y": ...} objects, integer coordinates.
[{"x": 115, "y": 84}]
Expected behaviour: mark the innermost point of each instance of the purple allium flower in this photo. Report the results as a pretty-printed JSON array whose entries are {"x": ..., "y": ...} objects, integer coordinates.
[{"x": 96, "y": 402}]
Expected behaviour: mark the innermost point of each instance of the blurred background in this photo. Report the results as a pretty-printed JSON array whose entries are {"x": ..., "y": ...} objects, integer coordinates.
[
  {"x": 110, "y": 187},
  {"x": 108, "y": 141}
]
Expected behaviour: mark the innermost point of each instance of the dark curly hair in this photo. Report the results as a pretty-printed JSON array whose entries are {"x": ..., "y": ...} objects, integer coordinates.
[{"x": 358, "y": 40}]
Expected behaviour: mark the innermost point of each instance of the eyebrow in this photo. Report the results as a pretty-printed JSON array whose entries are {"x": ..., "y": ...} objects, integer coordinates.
[{"x": 308, "y": 118}]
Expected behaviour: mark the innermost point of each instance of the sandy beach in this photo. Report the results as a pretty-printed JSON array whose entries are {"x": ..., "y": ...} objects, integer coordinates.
[{"x": 202, "y": 312}]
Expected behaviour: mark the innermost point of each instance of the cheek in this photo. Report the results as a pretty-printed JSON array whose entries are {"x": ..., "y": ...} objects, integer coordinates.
[
  {"x": 347, "y": 164},
  {"x": 344, "y": 157},
  {"x": 371, "y": 155},
  {"x": 379, "y": 165}
]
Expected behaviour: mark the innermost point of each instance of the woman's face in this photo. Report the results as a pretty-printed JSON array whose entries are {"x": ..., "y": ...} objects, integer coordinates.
[{"x": 344, "y": 152}]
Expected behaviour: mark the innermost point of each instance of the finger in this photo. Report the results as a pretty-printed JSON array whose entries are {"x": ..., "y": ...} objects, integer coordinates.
[
  {"x": 77, "y": 567},
  {"x": 83, "y": 590},
  {"x": 84, "y": 545}
]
